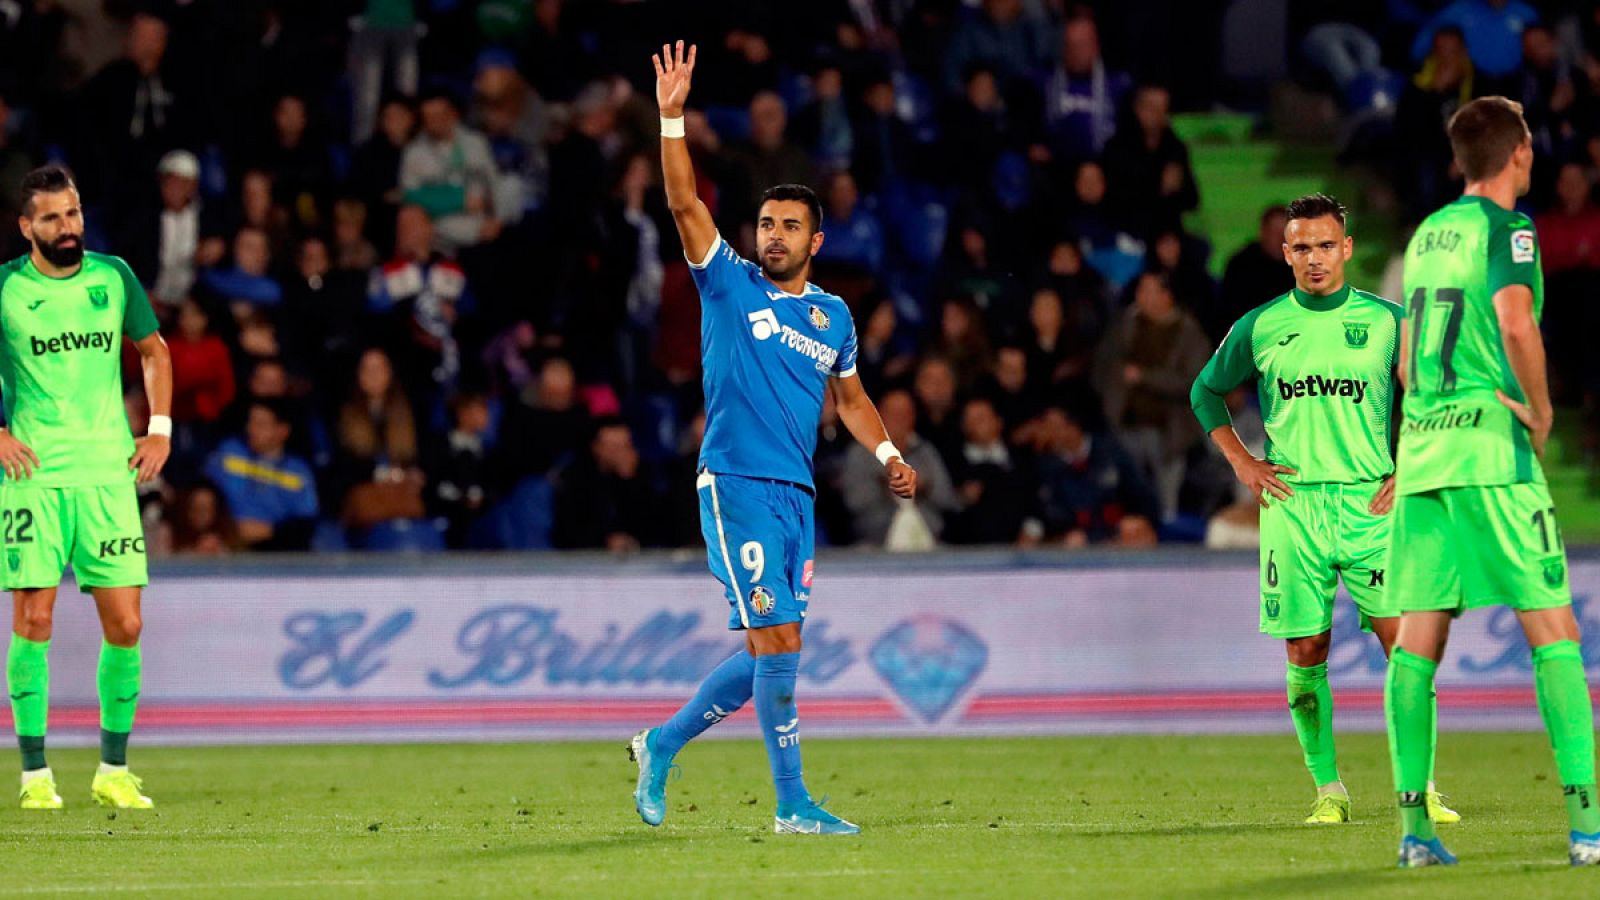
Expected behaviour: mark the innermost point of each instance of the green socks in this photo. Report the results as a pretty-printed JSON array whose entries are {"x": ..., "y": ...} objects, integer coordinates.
[
  {"x": 28, "y": 683},
  {"x": 1311, "y": 707},
  {"x": 1409, "y": 707},
  {"x": 118, "y": 680},
  {"x": 1568, "y": 713}
]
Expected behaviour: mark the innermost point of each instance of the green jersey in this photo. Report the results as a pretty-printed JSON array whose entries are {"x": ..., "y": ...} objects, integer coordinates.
[
  {"x": 1455, "y": 431},
  {"x": 61, "y": 366},
  {"x": 1324, "y": 368}
]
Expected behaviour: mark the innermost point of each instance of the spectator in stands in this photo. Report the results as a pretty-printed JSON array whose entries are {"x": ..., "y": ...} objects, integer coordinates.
[
  {"x": 579, "y": 163},
  {"x": 875, "y": 511},
  {"x": 855, "y": 245},
  {"x": 1569, "y": 247},
  {"x": 883, "y": 358},
  {"x": 460, "y": 481},
  {"x": 963, "y": 342},
  {"x": 978, "y": 127},
  {"x": 1423, "y": 157},
  {"x": 1546, "y": 90},
  {"x": 938, "y": 406},
  {"x": 1090, "y": 490},
  {"x": 547, "y": 426},
  {"x": 247, "y": 284},
  {"x": 16, "y": 160},
  {"x": 1181, "y": 258},
  {"x": 448, "y": 171},
  {"x": 1143, "y": 371},
  {"x": 1085, "y": 296},
  {"x": 822, "y": 127},
  {"x": 383, "y": 51},
  {"x": 1106, "y": 244},
  {"x": 420, "y": 294},
  {"x": 202, "y": 382},
  {"x": 272, "y": 495},
  {"x": 258, "y": 208},
  {"x": 970, "y": 269},
  {"x": 613, "y": 328},
  {"x": 993, "y": 484},
  {"x": 1492, "y": 30},
  {"x": 352, "y": 251},
  {"x": 515, "y": 120},
  {"x": 886, "y": 151},
  {"x": 1255, "y": 274},
  {"x": 170, "y": 243},
  {"x": 298, "y": 160},
  {"x": 323, "y": 311},
  {"x": 1007, "y": 388},
  {"x": 201, "y": 524},
  {"x": 1147, "y": 165},
  {"x": 1082, "y": 96},
  {"x": 378, "y": 458},
  {"x": 1004, "y": 35},
  {"x": 131, "y": 113},
  {"x": 1060, "y": 342},
  {"x": 767, "y": 158},
  {"x": 604, "y": 499},
  {"x": 375, "y": 167}
]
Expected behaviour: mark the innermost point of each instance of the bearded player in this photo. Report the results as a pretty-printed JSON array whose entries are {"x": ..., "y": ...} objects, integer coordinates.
[
  {"x": 70, "y": 464},
  {"x": 1474, "y": 523},
  {"x": 1323, "y": 357},
  {"x": 772, "y": 344}
]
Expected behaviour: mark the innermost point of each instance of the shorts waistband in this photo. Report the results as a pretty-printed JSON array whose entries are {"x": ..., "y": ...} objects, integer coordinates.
[{"x": 708, "y": 477}]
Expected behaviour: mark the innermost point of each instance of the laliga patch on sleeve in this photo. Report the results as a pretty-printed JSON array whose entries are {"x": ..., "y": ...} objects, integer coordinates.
[{"x": 1522, "y": 246}]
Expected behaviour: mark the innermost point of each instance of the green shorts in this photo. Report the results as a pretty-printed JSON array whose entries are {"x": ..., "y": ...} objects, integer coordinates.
[
  {"x": 1466, "y": 547},
  {"x": 97, "y": 529},
  {"x": 1322, "y": 532}
]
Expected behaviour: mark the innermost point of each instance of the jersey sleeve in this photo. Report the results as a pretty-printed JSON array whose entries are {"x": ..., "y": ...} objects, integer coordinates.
[
  {"x": 1513, "y": 254},
  {"x": 717, "y": 273},
  {"x": 1232, "y": 365},
  {"x": 138, "y": 318},
  {"x": 845, "y": 365}
]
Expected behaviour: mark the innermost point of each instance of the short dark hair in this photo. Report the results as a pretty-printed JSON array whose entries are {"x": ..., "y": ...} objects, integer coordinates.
[
  {"x": 1315, "y": 206},
  {"x": 798, "y": 192},
  {"x": 1483, "y": 134},
  {"x": 49, "y": 179},
  {"x": 275, "y": 406},
  {"x": 1269, "y": 212}
]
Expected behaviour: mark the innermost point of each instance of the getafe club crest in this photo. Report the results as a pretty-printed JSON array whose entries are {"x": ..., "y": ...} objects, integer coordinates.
[
  {"x": 762, "y": 601},
  {"x": 1355, "y": 334},
  {"x": 819, "y": 319},
  {"x": 98, "y": 297}
]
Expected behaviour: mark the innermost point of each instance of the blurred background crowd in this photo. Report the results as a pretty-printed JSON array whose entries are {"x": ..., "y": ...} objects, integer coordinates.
[{"x": 414, "y": 264}]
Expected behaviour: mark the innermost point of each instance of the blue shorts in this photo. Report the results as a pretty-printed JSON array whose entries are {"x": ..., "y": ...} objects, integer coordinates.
[{"x": 759, "y": 542}]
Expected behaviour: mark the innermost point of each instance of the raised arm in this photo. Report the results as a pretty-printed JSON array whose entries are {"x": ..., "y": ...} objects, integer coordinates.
[{"x": 695, "y": 226}]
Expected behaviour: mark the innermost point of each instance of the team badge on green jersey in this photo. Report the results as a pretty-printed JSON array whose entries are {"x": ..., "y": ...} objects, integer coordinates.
[
  {"x": 1555, "y": 572},
  {"x": 14, "y": 560},
  {"x": 1355, "y": 334},
  {"x": 98, "y": 297},
  {"x": 1272, "y": 605}
]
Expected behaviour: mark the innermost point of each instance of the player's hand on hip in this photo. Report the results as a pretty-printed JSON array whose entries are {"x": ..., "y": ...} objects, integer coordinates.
[
  {"x": 902, "y": 479},
  {"x": 17, "y": 458},
  {"x": 1383, "y": 500},
  {"x": 1538, "y": 425},
  {"x": 672, "y": 78},
  {"x": 1261, "y": 478},
  {"x": 150, "y": 455}
]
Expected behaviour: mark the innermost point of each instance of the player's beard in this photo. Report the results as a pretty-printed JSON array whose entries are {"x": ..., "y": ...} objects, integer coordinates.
[
  {"x": 59, "y": 253},
  {"x": 795, "y": 264}
]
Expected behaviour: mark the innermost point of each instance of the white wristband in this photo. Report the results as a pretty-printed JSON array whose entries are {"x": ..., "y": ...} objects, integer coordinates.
[
  {"x": 672, "y": 128},
  {"x": 161, "y": 425},
  {"x": 887, "y": 451}
]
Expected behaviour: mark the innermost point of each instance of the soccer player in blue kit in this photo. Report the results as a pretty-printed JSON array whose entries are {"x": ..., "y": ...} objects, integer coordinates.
[{"x": 772, "y": 344}]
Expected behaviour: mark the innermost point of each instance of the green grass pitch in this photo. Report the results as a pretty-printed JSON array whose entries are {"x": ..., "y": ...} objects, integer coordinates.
[{"x": 1159, "y": 816}]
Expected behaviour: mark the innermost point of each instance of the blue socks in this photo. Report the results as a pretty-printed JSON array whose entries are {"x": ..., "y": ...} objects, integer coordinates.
[
  {"x": 780, "y": 725},
  {"x": 723, "y": 692}
]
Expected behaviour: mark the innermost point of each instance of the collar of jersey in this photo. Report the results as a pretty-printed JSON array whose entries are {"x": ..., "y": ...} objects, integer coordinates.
[
  {"x": 1322, "y": 304},
  {"x": 51, "y": 278},
  {"x": 810, "y": 289}
]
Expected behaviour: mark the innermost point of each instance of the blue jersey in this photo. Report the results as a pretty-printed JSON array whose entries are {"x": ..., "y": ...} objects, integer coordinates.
[{"x": 768, "y": 356}]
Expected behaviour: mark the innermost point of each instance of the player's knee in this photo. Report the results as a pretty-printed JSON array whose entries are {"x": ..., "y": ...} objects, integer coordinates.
[
  {"x": 35, "y": 623},
  {"x": 123, "y": 629}
]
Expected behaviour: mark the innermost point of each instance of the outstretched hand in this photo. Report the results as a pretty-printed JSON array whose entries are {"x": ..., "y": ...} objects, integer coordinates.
[{"x": 672, "y": 78}]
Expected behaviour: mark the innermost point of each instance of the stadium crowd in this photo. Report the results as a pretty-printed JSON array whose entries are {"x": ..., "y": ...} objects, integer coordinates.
[{"x": 421, "y": 289}]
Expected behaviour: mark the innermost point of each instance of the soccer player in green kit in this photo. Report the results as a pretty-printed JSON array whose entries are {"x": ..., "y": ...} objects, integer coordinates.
[
  {"x": 1474, "y": 523},
  {"x": 70, "y": 465},
  {"x": 1323, "y": 356}
]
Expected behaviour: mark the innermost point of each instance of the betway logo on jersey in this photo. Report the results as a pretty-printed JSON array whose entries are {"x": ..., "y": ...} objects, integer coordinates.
[
  {"x": 764, "y": 324},
  {"x": 1318, "y": 386},
  {"x": 68, "y": 341}
]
